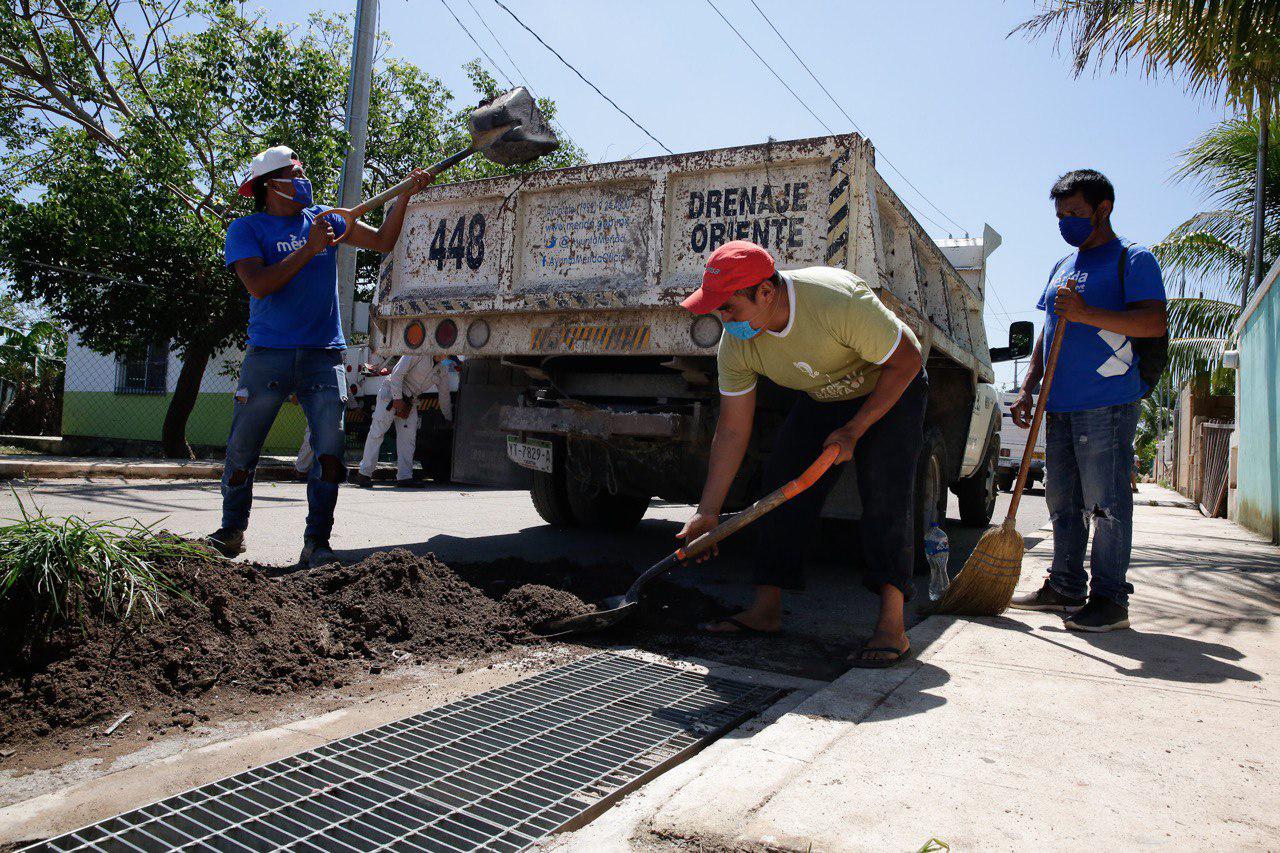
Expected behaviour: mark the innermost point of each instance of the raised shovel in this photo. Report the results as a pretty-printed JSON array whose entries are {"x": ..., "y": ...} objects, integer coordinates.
[
  {"x": 613, "y": 610},
  {"x": 507, "y": 130}
]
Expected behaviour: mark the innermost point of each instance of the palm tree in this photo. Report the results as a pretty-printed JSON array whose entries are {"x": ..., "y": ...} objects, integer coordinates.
[
  {"x": 1223, "y": 49},
  {"x": 1206, "y": 259}
]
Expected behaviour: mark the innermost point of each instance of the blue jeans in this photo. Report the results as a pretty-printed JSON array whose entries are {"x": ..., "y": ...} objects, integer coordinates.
[
  {"x": 267, "y": 378},
  {"x": 1088, "y": 459}
]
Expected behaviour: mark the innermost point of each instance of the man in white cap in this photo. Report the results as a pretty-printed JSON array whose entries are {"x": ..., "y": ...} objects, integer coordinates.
[
  {"x": 396, "y": 406},
  {"x": 283, "y": 254}
]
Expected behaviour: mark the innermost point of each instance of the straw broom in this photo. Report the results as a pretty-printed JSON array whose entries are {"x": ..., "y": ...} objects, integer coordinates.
[{"x": 985, "y": 585}]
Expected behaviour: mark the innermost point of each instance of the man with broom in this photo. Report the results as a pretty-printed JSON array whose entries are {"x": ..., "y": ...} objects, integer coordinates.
[
  {"x": 1104, "y": 295},
  {"x": 823, "y": 332}
]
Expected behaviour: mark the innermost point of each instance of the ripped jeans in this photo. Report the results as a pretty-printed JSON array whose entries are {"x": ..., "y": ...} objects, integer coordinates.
[
  {"x": 267, "y": 378},
  {"x": 1088, "y": 459}
]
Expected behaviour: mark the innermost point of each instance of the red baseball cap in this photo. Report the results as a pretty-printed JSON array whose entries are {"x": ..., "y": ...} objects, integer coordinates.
[{"x": 736, "y": 265}]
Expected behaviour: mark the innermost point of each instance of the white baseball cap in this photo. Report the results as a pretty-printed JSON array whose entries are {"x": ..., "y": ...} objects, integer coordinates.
[{"x": 268, "y": 161}]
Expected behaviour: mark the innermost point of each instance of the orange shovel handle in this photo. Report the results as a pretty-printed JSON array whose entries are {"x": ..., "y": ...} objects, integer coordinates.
[
  {"x": 771, "y": 501},
  {"x": 813, "y": 473}
]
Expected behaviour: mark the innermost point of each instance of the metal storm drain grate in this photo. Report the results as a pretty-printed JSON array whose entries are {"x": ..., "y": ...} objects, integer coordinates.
[{"x": 497, "y": 771}]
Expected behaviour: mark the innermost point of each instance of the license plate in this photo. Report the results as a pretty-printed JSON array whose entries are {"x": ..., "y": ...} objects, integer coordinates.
[
  {"x": 531, "y": 453},
  {"x": 1037, "y": 454}
]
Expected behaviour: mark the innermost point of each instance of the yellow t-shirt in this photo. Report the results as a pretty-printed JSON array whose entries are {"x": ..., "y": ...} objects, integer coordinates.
[{"x": 838, "y": 336}]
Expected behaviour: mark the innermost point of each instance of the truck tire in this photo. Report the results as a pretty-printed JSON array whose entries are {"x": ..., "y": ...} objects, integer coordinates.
[
  {"x": 551, "y": 498},
  {"x": 931, "y": 491},
  {"x": 976, "y": 494},
  {"x": 599, "y": 510},
  {"x": 1005, "y": 479}
]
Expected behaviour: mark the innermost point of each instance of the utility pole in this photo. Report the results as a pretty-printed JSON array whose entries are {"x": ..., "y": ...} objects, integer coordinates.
[
  {"x": 358, "y": 133},
  {"x": 1256, "y": 270}
]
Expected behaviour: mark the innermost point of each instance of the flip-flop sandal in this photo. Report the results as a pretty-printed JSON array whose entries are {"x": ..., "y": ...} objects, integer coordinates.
[
  {"x": 861, "y": 661},
  {"x": 743, "y": 629}
]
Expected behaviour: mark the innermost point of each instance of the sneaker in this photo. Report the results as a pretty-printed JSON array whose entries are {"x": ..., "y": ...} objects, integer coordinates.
[
  {"x": 1099, "y": 615},
  {"x": 226, "y": 541},
  {"x": 316, "y": 553},
  {"x": 355, "y": 478},
  {"x": 1046, "y": 598}
]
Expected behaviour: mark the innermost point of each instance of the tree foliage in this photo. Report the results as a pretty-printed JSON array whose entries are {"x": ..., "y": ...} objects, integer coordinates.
[
  {"x": 1205, "y": 259},
  {"x": 126, "y": 128},
  {"x": 1228, "y": 49}
]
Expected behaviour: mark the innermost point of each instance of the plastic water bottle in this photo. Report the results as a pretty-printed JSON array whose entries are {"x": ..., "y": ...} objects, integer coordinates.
[{"x": 937, "y": 550}]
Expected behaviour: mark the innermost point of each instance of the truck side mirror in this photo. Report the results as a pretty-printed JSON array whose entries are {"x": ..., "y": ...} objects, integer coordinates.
[{"x": 1022, "y": 336}]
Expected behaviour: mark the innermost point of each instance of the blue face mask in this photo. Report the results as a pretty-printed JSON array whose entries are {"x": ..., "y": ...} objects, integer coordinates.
[
  {"x": 741, "y": 329},
  {"x": 1075, "y": 229},
  {"x": 301, "y": 190}
]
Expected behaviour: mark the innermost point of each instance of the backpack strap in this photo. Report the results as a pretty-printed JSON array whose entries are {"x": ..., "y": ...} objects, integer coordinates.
[{"x": 1124, "y": 257}]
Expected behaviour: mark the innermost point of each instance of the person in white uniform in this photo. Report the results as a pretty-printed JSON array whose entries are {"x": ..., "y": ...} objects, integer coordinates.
[
  {"x": 306, "y": 455},
  {"x": 396, "y": 406}
]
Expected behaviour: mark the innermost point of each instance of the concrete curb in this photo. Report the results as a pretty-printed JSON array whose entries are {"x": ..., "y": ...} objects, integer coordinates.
[{"x": 20, "y": 468}]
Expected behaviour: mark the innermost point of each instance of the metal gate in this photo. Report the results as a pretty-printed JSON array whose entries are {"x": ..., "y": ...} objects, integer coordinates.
[
  {"x": 1215, "y": 442},
  {"x": 497, "y": 771}
]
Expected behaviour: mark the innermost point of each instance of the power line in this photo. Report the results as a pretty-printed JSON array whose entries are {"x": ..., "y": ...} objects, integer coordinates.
[
  {"x": 524, "y": 77},
  {"x": 581, "y": 77},
  {"x": 477, "y": 44},
  {"x": 786, "y": 86},
  {"x": 770, "y": 67},
  {"x": 848, "y": 117}
]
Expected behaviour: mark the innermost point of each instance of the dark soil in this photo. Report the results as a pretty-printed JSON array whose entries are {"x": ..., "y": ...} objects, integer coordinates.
[
  {"x": 243, "y": 629},
  {"x": 252, "y": 636},
  {"x": 532, "y": 604}
]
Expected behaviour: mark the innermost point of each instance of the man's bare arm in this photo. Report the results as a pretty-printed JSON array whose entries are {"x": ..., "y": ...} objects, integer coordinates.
[
  {"x": 1021, "y": 409},
  {"x": 383, "y": 239}
]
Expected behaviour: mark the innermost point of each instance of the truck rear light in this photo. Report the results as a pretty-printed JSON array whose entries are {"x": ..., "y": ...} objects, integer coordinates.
[
  {"x": 414, "y": 334},
  {"x": 478, "y": 333},
  {"x": 447, "y": 333},
  {"x": 705, "y": 330},
  {"x": 1006, "y": 452}
]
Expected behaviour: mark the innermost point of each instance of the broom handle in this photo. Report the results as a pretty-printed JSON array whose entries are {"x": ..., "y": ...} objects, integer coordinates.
[{"x": 1059, "y": 334}]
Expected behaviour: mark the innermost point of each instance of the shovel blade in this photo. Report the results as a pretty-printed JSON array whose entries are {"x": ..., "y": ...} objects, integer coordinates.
[
  {"x": 530, "y": 137},
  {"x": 598, "y": 620}
]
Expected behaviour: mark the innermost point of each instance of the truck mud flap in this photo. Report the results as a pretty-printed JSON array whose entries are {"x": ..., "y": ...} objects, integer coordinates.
[{"x": 479, "y": 442}]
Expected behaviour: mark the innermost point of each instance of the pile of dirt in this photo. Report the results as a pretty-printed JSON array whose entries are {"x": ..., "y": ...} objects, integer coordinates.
[
  {"x": 238, "y": 626},
  {"x": 395, "y": 599},
  {"x": 532, "y": 604},
  {"x": 243, "y": 630},
  {"x": 249, "y": 633}
]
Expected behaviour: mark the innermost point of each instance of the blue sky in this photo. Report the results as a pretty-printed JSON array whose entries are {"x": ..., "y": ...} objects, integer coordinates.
[{"x": 981, "y": 123}]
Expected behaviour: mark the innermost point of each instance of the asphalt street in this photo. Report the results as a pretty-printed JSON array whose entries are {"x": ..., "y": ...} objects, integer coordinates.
[{"x": 461, "y": 523}]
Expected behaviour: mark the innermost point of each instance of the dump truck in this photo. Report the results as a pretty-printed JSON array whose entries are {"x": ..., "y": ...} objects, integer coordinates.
[{"x": 585, "y": 380}]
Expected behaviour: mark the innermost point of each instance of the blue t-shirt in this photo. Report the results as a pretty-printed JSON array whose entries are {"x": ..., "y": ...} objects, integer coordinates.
[
  {"x": 1097, "y": 368},
  {"x": 303, "y": 313}
]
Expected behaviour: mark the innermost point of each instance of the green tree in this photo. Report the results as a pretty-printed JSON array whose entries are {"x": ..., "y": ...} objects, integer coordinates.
[
  {"x": 160, "y": 105},
  {"x": 1206, "y": 259},
  {"x": 1225, "y": 49}
]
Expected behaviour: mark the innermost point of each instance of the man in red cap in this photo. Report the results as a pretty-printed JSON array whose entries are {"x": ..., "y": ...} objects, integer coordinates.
[{"x": 821, "y": 331}]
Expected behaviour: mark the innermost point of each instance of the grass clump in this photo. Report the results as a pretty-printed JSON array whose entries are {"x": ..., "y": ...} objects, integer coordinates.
[{"x": 72, "y": 570}]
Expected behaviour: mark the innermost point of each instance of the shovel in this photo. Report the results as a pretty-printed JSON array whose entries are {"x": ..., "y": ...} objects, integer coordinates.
[
  {"x": 507, "y": 130},
  {"x": 613, "y": 610}
]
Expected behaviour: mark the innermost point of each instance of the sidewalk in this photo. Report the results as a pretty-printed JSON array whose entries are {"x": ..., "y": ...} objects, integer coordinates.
[{"x": 1013, "y": 734}]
